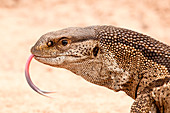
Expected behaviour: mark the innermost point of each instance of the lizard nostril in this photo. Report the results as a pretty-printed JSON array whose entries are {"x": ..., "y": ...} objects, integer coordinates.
[{"x": 50, "y": 43}]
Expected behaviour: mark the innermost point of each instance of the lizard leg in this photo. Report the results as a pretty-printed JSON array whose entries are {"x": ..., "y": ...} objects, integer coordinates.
[{"x": 142, "y": 104}]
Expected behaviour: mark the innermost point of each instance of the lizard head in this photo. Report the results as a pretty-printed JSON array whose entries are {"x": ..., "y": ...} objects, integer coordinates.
[
  {"x": 85, "y": 52},
  {"x": 70, "y": 48}
]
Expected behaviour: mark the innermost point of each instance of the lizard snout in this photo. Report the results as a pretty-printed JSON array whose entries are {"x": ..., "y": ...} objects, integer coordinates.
[{"x": 37, "y": 50}]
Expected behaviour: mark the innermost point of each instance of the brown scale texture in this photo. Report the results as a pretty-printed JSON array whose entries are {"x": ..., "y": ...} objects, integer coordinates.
[
  {"x": 150, "y": 48},
  {"x": 148, "y": 62}
]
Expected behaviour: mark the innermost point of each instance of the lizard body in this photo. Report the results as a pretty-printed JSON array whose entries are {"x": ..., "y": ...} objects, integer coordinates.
[{"x": 116, "y": 58}]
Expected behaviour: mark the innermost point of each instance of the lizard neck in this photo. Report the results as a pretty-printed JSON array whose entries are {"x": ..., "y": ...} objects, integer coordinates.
[
  {"x": 153, "y": 77},
  {"x": 146, "y": 80},
  {"x": 131, "y": 87}
]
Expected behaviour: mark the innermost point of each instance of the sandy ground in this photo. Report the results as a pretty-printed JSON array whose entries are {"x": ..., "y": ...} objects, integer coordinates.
[{"x": 22, "y": 22}]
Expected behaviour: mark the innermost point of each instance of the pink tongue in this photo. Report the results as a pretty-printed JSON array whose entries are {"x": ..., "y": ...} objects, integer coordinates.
[{"x": 31, "y": 84}]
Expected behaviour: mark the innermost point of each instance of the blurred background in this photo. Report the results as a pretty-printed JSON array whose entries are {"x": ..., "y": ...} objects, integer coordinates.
[{"x": 22, "y": 22}]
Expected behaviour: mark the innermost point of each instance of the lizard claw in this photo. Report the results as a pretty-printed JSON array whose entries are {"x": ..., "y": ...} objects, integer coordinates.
[{"x": 31, "y": 84}]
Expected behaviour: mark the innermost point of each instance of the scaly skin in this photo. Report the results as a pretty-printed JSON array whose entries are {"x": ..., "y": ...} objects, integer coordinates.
[{"x": 113, "y": 57}]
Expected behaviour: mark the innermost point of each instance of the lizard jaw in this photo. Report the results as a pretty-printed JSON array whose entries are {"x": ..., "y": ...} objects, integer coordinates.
[
  {"x": 59, "y": 60},
  {"x": 51, "y": 60}
]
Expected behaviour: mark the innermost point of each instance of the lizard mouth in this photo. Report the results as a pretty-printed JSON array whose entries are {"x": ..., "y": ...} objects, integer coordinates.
[
  {"x": 60, "y": 60},
  {"x": 47, "y": 60}
]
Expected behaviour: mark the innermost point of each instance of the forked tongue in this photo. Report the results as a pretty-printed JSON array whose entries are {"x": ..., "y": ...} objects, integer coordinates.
[{"x": 31, "y": 84}]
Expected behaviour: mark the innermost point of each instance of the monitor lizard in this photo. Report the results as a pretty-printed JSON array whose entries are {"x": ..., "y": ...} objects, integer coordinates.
[{"x": 113, "y": 57}]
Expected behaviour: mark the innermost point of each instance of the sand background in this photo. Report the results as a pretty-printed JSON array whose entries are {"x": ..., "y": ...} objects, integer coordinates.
[{"x": 22, "y": 22}]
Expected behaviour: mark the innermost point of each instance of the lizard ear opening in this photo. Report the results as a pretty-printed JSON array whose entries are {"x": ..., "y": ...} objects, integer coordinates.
[{"x": 95, "y": 51}]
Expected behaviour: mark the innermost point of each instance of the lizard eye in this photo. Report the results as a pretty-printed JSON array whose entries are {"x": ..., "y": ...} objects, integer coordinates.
[
  {"x": 64, "y": 42},
  {"x": 50, "y": 43}
]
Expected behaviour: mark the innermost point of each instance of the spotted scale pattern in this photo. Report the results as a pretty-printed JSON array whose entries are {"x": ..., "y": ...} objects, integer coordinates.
[
  {"x": 148, "y": 62},
  {"x": 150, "y": 48},
  {"x": 116, "y": 58}
]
